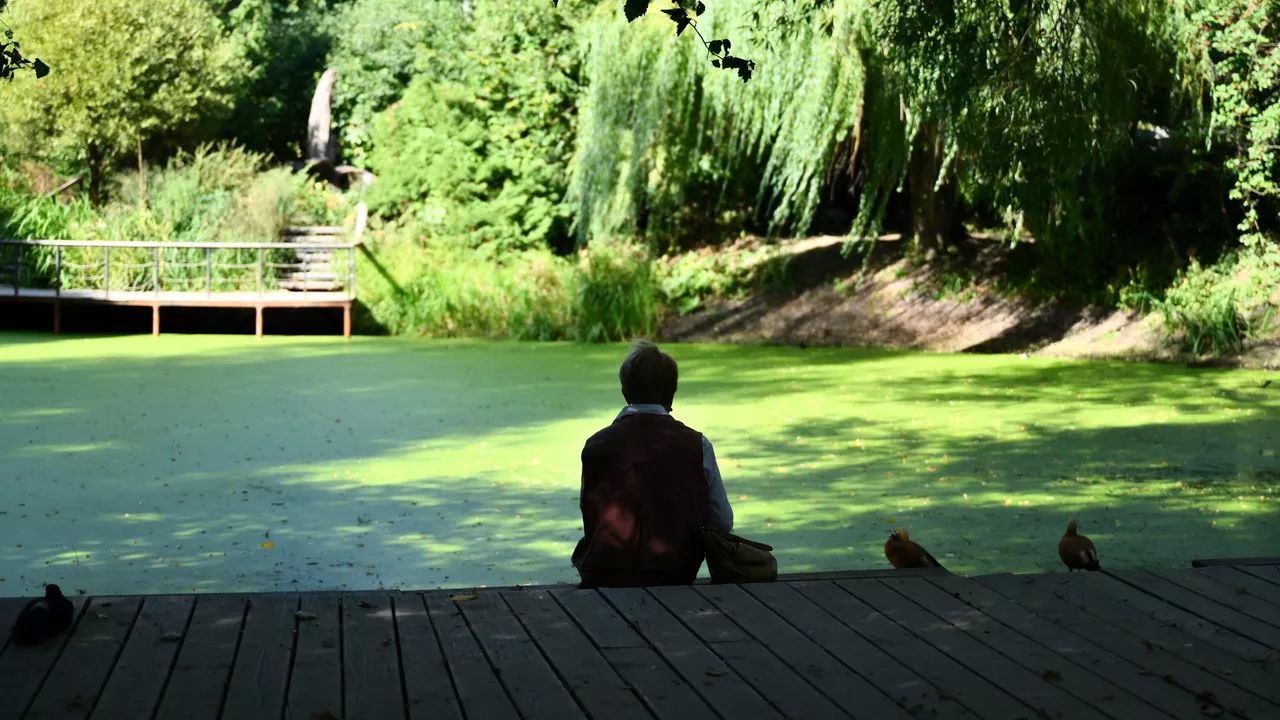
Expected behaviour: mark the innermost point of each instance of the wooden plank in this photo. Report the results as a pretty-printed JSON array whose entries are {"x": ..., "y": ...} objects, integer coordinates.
[
  {"x": 533, "y": 685},
  {"x": 952, "y": 680},
  {"x": 429, "y": 689},
  {"x": 23, "y": 667},
  {"x": 1210, "y": 562},
  {"x": 598, "y": 619},
  {"x": 850, "y": 692},
  {"x": 881, "y": 669},
  {"x": 1045, "y": 698},
  {"x": 1106, "y": 586},
  {"x": 1094, "y": 657},
  {"x": 722, "y": 688},
  {"x": 768, "y": 674},
  {"x": 663, "y": 692},
  {"x": 1270, "y": 573},
  {"x": 1205, "y": 692},
  {"x": 261, "y": 672},
  {"x": 134, "y": 688},
  {"x": 595, "y": 685},
  {"x": 1229, "y": 618},
  {"x": 1052, "y": 667},
  {"x": 1235, "y": 597},
  {"x": 479, "y": 691},
  {"x": 81, "y": 670},
  {"x": 315, "y": 681},
  {"x": 1244, "y": 583},
  {"x": 1186, "y": 647},
  {"x": 200, "y": 673},
  {"x": 370, "y": 658}
]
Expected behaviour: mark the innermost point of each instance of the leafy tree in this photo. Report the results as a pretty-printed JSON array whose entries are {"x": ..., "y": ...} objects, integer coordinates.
[
  {"x": 482, "y": 159},
  {"x": 379, "y": 46},
  {"x": 284, "y": 43},
  {"x": 128, "y": 70}
]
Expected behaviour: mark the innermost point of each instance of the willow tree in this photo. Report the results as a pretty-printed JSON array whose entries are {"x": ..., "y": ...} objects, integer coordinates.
[{"x": 127, "y": 70}]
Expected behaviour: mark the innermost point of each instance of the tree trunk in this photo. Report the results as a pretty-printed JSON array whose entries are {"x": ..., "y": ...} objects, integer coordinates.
[
  {"x": 95, "y": 173},
  {"x": 931, "y": 205}
]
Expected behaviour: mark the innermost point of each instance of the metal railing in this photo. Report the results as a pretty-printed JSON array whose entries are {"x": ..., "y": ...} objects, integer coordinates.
[{"x": 40, "y": 266}]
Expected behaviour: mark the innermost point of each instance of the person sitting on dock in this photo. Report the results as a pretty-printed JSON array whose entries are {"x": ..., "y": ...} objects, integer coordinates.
[{"x": 649, "y": 486}]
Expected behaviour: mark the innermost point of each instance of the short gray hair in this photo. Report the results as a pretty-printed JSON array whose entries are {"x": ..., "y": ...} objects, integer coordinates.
[{"x": 648, "y": 375}]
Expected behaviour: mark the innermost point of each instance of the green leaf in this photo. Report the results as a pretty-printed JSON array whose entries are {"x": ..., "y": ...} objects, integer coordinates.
[{"x": 634, "y": 8}]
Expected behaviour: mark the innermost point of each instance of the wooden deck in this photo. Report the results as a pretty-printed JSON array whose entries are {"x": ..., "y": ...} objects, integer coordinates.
[{"x": 1186, "y": 643}]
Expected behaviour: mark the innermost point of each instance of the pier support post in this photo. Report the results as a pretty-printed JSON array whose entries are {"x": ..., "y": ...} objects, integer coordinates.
[
  {"x": 346, "y": 321},
  {"x": 155, "y": 320},
  {"x": 57, "y": 317},
  {"x": 257, "y": 320}
]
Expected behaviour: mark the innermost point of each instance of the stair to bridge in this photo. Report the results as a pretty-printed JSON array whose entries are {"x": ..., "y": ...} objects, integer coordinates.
[{"x": 311, "y": 269}]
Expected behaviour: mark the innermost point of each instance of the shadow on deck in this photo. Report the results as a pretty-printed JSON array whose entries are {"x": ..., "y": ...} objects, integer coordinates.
[{"x": 1179, "y": 643}]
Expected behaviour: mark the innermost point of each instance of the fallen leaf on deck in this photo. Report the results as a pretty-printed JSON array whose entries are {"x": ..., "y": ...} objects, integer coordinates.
[
  {"x": 366, "y": 604},
  {"x": 171, "y": 637},
  {"x": 267, "y": 545},
  {"x": 463, "y": 597},
  {"x": 713, "y": 672},
  {"x": 304, "y": 615}
]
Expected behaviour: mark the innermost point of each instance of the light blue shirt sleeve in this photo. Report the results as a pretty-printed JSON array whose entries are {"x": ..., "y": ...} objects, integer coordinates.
[{"x": 719, "y": 512}]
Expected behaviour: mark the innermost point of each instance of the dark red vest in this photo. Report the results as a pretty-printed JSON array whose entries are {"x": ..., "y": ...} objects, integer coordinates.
[{"x": 644, "y": 498}]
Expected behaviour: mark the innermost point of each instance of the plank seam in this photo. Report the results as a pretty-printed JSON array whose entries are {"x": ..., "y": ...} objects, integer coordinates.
[
  {"x": 1174, "y": 603},
  {"x": 583, "y": 628},
  {"x": 555, "y": 670},
  {"x": 293, "y": 658},
  {"x": 956, "y": 660},
  {"x": 182, "y": 642},
  {"x": 1067, "y": 631},
  {"x": 711, "y": 648},
  {"x": 769, "y": 648},
  {"x": 395, "y": 632},
  {"x": 1246, "y": 569},
  {"x": 342, "y": 655},
  {"x": 235, "y": 655},
  {"x": 116, "y": 659},
  {"x": 61, "y": 648},
  {"x": 444, "y": 659},
  {"x": 493, "y": 664}
]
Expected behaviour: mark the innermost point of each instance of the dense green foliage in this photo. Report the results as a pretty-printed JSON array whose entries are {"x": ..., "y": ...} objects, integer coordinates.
[
  {"x": 379, "y": 46},
  {"x": 480, "y": 157},
  {"x": 161, "y": 66},
  {"x": 1113, "y": 143}
]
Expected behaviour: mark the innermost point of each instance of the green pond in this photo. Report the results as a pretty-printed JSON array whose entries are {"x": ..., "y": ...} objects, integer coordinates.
[{"x": 209, "y": 463}]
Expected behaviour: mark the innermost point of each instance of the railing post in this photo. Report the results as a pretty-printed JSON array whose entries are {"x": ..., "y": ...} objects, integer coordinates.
[
  {"x": 260, "y": 280},
  {"x": 155, "y": 268},
  {"x": 57, "y": 272},
  {"x": 106, "y": 272},
  {"x": 208, "y": 271},
  {"x": 351, "y": 272}
]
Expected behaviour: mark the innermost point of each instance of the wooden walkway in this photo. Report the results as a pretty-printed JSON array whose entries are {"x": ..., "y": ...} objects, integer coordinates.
[{"x": 1188, "y": 643}]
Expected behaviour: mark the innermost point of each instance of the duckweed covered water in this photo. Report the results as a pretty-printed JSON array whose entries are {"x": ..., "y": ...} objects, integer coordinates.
[{"x": 203, "y": 463}]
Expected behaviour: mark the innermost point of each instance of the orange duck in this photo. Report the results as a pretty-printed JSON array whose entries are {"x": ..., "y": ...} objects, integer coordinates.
[
  {"x": 1077, "y": 551},
  {"x": 904, "y": 553}
]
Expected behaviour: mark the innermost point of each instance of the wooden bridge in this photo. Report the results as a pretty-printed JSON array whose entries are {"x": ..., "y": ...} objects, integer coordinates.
[
  {"x": 311, "y": 266},
  {"x": 1188, "y": 643}
]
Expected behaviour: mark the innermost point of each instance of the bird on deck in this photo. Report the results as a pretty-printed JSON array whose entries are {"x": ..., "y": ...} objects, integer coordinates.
[
  {"x": 1077, "y": 551},
  {"x": 903, "y": 552},
  {"x": 44, "y": 617}
]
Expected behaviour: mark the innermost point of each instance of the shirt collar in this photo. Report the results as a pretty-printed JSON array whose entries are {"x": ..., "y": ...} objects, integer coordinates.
[{"x": 642, "y": 409}]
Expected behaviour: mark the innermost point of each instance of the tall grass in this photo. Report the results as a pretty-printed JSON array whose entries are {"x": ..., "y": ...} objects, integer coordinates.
[
  {"x": 215, "y": 194},
  {"x": 1215, "y": 310},
  {"x": 446, "y": 290}
]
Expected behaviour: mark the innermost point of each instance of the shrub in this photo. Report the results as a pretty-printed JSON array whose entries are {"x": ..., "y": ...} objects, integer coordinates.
[
  {"x": 1215, "y": 309},
  {"x": 615, "y": 293}
]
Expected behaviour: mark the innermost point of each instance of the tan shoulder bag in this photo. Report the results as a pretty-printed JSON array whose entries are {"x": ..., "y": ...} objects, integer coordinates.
[{"x": 733, "y": 559}]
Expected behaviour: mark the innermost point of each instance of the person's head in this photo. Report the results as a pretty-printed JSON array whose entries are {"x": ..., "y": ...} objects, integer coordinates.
[{"x": 648, "y": 376}]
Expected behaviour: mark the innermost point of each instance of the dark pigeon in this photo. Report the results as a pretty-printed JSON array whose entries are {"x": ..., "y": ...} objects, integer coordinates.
[{"x": 43, "y": 618}]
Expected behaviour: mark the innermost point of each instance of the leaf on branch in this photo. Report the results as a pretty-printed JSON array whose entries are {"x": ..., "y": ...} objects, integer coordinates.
[
  {"x": 715, "y": 63},
  {"x": 634, "y": 8},
  {"x": 699, "y": 9},
  {"x": 742, "y": 65},
  {"x": 41, "y": 68},
  {"x": 714, "y": 46},
  {"x": 679, "y": 17}
]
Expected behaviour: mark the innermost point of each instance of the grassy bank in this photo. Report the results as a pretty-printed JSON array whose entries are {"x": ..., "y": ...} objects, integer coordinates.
[{"x": 197, "y": 462}]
